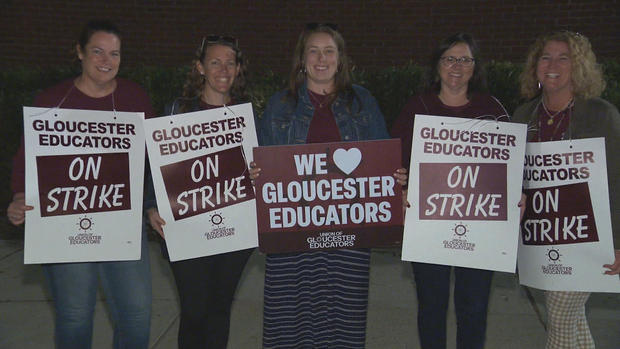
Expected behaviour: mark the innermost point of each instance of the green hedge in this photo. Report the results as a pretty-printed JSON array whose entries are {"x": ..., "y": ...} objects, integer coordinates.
[{"x": 391, "y": 87}]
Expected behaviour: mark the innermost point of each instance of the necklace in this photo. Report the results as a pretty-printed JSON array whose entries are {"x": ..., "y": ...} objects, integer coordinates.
[
  {"x": 564, "y": 113},
  {"x": 317, "y": 98},
  {"x": 552, "y": 116}
]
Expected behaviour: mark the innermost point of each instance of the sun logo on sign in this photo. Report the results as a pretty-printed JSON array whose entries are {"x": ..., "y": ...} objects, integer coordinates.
[
  {"x": 216, "y": 219},
  {"x": 460, "y": 230},
  {"x": 85, "y": 224},
  {"x": 554, "y": 255}
]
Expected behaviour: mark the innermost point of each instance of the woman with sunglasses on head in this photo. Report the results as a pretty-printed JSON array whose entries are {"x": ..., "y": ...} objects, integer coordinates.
[
  {"x": 318, "y": 299},
  {"x": 455, "y": 88},
  {"x": 126, "y": 284},
  {"x": 563, "y": 82},
  {"x": 206, "y": 285}
]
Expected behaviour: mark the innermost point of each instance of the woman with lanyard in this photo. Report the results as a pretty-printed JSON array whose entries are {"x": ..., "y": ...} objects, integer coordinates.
[
  {"x": 126, "y": 284},
  {"x": 206, "y": 285},
  {"x": 318, "y": 299},
  {"x": 455, "y": 87},
  {"x": 563, "y": 82}
]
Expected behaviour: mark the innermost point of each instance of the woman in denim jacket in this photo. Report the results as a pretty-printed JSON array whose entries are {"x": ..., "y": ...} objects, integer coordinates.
[{"x": 318, "y": 299}]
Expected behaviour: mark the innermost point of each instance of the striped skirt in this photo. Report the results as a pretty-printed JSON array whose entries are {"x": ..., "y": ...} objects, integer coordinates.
[{"x": 316, "y": 299}]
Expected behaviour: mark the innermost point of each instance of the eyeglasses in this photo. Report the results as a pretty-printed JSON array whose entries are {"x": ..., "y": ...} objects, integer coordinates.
[
  {"x": 215, "y": 39},
  {"x": 314, "y": 26},
  {"x": 449, "y": 61}
]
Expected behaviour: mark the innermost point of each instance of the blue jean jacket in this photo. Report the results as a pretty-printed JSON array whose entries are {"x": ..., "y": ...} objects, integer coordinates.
[{"x": 285, "y": 122}]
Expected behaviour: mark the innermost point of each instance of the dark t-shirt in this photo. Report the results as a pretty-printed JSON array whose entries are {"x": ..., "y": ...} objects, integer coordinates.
[
  {"x": 323, "y": 127},
  {"x": 128, "y": 97},
  {"x": 481, "y": 106},
  {"x": 554, "y": 130}
]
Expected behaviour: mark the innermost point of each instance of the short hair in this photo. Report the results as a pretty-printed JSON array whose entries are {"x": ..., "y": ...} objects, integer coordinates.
[
  {"x": 96, "y": 26},
  {"x": 476, "y": 83},
  {"x": 586, "y": 75}
]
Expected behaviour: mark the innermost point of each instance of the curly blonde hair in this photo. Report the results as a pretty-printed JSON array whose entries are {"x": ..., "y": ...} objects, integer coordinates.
[{"x": 586, "y": 75}]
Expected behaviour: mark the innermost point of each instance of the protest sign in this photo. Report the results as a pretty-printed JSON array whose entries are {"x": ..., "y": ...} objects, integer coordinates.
[
  {"x": 464, "y": 187},
  {"x": 566, "y": 232},
  {"x": 84, "y": 178},
  {"x": 199, "y": 164},
  {"x": 328, "y": 196}
]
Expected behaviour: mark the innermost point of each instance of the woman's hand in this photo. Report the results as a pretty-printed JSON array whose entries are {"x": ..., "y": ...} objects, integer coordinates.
[
  {"x": 156, "y": 221},
  {"x": 254, "y": 171},
  {"x": 406, "y": 204},
  {"x": 521, "y": 205},
  {"x": 16, "y": 212},
  {"x": 401, "y": 176},
  {"x": 614, "y": 269}
]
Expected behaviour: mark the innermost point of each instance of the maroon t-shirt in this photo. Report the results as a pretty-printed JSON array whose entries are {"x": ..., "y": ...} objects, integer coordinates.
[
  {"x": 323, "y": 127},
  {"x": 555, "y": 129},
  {"x": 207, "y": 106},
  {"x": 128, "y": 97},
  {"x": 481, "y": 106}
]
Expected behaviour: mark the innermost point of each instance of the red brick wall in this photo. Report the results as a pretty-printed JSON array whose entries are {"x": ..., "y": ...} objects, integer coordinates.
[{"x": 378, "y": 33}]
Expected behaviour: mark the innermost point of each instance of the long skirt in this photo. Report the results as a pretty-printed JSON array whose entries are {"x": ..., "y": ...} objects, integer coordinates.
[{"x": 316, "y": 299}]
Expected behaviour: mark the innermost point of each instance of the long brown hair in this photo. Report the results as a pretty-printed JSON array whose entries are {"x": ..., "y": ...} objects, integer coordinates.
[{"x": 342, "y": 80}]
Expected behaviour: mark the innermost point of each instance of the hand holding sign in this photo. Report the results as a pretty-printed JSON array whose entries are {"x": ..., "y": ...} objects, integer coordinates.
[
  {"x": 614, "y": 269},
  {"x": 156, "y": 222},
  {"x": 16, "y": 212}
]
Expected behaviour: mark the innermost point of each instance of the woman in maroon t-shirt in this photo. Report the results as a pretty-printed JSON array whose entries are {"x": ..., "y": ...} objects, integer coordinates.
[
  {"x": 207, "y": 285},
  {"x": 456, "y": 86},
  {"x": 127, "y": 284}
]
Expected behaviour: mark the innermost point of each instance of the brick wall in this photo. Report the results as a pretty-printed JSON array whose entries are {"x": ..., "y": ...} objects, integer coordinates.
[{"x": 378, "y": 33}]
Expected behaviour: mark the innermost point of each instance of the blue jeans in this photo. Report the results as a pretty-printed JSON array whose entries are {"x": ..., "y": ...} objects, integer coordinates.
[
  {"x": 127, "y": 287},
  {"x": 471, "y": 298}
]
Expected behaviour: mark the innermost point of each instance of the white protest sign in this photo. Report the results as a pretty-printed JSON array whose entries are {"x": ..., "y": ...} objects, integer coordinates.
[
  {"x": 199, "y": 162},
  {"x": 566, "y": 232},
  {"x": 84, "y": 178},
  {"x": 464, "y": 187}
]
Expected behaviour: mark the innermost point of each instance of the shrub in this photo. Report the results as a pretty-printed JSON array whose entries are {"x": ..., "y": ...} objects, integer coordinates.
[{"x": 391, "y": 87}]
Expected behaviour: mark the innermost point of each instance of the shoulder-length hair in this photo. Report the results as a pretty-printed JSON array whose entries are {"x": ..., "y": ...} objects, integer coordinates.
[
  {"x": 586, "y": 75},
  {"x": 477, "y": 82},
  {"x": 195, "y": 81},
  {"x": 342, "y": 80}
]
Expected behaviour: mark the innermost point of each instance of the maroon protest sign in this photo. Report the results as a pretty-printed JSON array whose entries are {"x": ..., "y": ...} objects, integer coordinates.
[
  {"x": 328, "y": 196},
  {"x": 559, "y": 215},
  {"x": 207, "y": 182},
  {"x": 463, "y": 191},
  {"x": 70, "y": 184}
]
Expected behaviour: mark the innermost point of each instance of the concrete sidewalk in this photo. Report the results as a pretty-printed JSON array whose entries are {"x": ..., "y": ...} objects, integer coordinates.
[{"x": 26, "y": 314}]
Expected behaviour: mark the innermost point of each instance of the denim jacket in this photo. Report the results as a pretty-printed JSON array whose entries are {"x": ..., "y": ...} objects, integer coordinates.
[{"x": 285, "y": 122}]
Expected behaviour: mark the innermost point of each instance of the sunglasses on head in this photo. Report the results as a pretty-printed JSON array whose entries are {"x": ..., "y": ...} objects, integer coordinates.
[{"x": 215, "y": 39}]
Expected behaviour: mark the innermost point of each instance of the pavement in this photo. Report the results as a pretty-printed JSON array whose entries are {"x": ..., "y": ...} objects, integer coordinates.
[{"x": 515, "y": 320}]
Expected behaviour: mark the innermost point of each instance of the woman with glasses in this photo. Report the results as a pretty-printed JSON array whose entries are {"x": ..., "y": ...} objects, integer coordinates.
[
  {"x": 318, "y": 299},
  {"x": 455, "y": 88},
  {"x": 126, "y": 284},
  {"x": 563, "y": 82},
  {"x": 206, "y": 285}
]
